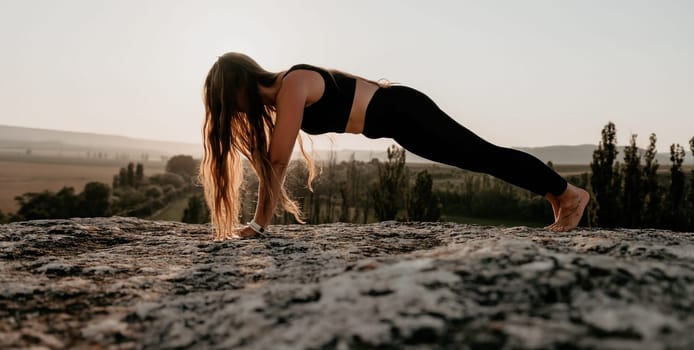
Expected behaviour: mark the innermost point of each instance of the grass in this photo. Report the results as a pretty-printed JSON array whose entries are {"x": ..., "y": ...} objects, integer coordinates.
[{"x": 173, "y": 211}]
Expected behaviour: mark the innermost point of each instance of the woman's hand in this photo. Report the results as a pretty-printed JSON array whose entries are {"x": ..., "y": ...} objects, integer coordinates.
[{"x": 247, "y": 232}]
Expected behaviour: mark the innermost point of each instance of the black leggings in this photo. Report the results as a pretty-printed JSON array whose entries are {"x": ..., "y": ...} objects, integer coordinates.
[{"x": 415, "y": 122}]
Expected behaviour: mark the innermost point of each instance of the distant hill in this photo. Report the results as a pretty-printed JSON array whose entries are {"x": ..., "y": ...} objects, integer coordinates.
[
  {"x": 21, "y": 140},
  {"x": 578, "y": 154},
  {"x": 560, "y": 155},
  {"x": 15, "y": 139},
  {"x": 583, "y": 154}
]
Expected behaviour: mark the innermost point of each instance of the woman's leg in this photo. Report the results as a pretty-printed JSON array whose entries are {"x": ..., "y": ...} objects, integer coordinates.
[
  {"x": 417, "y": 124},
  {"x": 427, "y": 131}
]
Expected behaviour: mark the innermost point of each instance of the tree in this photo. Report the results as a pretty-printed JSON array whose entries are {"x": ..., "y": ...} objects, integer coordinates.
[
  {"x": 676, "y": 186},
  {"x": 196, "y": 212},
  {"x": 164, "y": 179},
  {"x": 605, "y": 179},
  {"x": 355, "y": 186},
  {"x": 126, "y": 200},
  {"x": 123, "y": 178},
  {"x": 94, "y": 200},
  {"x": 422, "y": 206},
  {"x": 67, "y": 202},
  {"x": 329, "y": 185},
  {"x": 183, "y": 165},
  {"x": 115, "y": 182},
  {"x": 651, "y": 188},
  {"x": 47, "y": 205},
  {"x": 139, "y": 174},
  {"x": 676, "y": 175},
  {"x": 690, "y": 199},
  {"x": 345, "y": 202},
  {"x": 632, "y": 198},
  {"x": 350, "y": 189},
  {"x": 388, "y": 193},
  {"x": 131, "y": 174}
]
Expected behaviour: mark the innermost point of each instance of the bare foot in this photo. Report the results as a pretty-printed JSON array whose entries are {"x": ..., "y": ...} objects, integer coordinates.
[
  {"x": 555, "y": 205},
  {"x": 572, "y": 203}
]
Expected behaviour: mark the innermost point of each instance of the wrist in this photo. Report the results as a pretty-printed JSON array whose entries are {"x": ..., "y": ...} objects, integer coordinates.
[{"x": 260, "y": 229}]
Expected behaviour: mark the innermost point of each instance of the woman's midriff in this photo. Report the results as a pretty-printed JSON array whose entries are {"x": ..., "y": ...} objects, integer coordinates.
[{"x": 363, "y": 93}]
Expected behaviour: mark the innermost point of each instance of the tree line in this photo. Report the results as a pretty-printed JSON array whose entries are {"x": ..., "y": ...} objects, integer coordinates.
[
  {"x": 360, "y": 192},
  {"x": 631, "y": 193},
  {"x": 355, "y": 192}
]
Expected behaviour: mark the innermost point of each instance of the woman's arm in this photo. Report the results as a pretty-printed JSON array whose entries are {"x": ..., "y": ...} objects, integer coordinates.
[{"x": 290, "y": 102}]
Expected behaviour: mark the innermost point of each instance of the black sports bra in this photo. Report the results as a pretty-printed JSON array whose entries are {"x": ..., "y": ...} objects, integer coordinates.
[{"x": 331, "y": 112}]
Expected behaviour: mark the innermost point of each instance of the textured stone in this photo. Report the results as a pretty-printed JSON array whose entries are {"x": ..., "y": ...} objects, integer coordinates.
[{"x": 125, "y": 283}]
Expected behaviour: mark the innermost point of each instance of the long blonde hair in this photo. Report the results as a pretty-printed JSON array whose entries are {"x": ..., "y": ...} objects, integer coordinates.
[{"x": 238, "y": 123}]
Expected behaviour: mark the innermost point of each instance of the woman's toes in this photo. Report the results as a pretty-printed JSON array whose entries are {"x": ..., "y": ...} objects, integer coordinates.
[{"x": 560, "y": 228}]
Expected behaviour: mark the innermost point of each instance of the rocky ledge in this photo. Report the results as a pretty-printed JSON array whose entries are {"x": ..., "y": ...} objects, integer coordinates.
[{"x": 124, "y": 283}]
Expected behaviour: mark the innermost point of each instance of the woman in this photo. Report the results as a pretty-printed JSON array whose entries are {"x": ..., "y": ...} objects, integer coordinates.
[{"x": 257, "y": 114}]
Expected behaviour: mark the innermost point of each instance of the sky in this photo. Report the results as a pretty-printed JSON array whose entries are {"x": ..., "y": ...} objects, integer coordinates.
[{"x": 518, "y": 73}]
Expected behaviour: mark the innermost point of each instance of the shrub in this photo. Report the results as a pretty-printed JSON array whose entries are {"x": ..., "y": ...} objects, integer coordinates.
[{"x": 172, "y": 179}]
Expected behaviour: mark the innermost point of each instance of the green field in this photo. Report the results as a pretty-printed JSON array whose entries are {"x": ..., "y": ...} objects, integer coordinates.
[{"x": 173, "y": 211}]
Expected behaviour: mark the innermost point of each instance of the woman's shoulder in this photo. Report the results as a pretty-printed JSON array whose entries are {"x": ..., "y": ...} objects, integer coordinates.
[{"x": 305, "y": 66}]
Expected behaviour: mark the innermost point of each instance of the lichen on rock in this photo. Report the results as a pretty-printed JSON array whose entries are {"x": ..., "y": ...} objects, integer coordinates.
[{"x": 126, "y": 283}]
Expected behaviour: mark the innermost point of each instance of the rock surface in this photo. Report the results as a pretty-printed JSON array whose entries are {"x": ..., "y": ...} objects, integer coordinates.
[{"x": 124, "y": 283}]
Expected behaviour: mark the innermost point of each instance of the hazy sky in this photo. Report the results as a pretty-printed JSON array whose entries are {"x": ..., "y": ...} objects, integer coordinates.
[{"x": 519, "y": 73}]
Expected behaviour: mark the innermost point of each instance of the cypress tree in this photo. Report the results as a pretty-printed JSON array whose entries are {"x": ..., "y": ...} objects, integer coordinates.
[
  {"x": 652, "y": 193},
  {"x": 356, "y": 188},
  {"x": 422, "y": 206},
  {"x": 632, "y": 198},
  {"x": 123, "y": 178},
  {"x": 131, "y": 174},
  {"x": 388, "y": 193},
  {"x": 139, "y": 174},
  {"x": 677, "y": 182},
  {"x": 605, "y": 179},
  {"x": 331, "y": 185}
]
